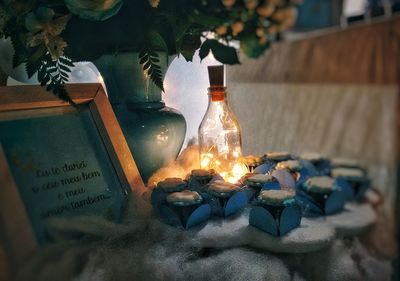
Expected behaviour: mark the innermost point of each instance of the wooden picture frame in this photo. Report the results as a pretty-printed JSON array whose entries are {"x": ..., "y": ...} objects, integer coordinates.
[{"x": 17, "y": 229}]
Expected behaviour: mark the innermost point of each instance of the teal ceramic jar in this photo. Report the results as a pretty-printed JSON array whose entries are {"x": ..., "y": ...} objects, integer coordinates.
[{"x": 154, "y": 132}]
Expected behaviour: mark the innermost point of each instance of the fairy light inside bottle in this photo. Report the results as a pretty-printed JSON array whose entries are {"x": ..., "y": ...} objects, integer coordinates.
[{"x": 219, "y": 132}]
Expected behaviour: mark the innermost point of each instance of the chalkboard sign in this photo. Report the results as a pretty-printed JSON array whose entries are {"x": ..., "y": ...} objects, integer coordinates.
[{"x": 59, "y": 160}]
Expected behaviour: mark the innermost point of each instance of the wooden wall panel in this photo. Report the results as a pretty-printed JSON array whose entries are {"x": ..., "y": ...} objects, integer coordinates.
[{"x": 363, "y": 54}]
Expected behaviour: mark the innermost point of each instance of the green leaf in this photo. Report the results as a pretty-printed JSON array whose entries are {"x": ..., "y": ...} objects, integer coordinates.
[
  {"x": 17, "y": 60},
  {"x": 152, "y": 53},
  {"x": 64, "y": 76},
  {"x": 150, "y": 65},
  {"x": 57, "y": 77},
  {"x": 42, "y": 73},
  {"x": 143, "y": 53},
  {"x": 179, "y": 22},
  {"x": 188, "y": 46},
  {"x": 32, "y": 67},
  {"x": 222, "y": 53},
  {"x": 155, "y": 59},
  {"x": 204, "y": 49},
  {"x": 38, "y": 54},
  {"x": 64, "y": 68},
  {"x": 60, "y": 91},
  {"x": 17, "y": 40},
  {"x": 154, "y": 65},
  {"x": 67, "y": 61},
  {"x": 54, "y": 74},
  {"x": 44, "y": 81},
  {"x": 143, "y": 59},
  {"x": 50, "y": 87},
  {"x": 147, "y": 65},
  {"x": 156, "y": 41}
]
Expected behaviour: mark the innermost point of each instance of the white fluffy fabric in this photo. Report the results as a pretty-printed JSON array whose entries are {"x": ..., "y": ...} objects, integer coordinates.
[{"x": 92, "y": 249}]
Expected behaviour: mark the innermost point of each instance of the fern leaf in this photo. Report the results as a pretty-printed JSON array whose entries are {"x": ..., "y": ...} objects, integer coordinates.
[
  {"x": 64, "y": 68},
  {"x": 149, "y": 61},
  {"x": 143, "y": 59},
  {"x": 31, "y": 68},
  {"x": 54, "y": 74},
  {"x": 66, "y": 61}
]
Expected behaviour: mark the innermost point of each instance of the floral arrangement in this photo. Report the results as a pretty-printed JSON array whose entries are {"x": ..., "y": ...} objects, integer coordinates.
[{"x": 50, "y": 35}]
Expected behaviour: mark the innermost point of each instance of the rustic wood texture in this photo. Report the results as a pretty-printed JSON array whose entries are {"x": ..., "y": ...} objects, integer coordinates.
[
  {"x": 34, "y": 96},
  {"x": 27, "y": 97},
  {"x": 363, "y": 54},
  {"x": 16, "y": 226},
  {"x": 22, "y": 99},
  {"x": 335, "y": 120},
  {"x": 17, "y": 98},
  {"x": 118, "y": 149}
]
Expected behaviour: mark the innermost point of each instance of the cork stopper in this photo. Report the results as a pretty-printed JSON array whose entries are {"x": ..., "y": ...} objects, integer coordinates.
[{"x": 216, "y": 74}]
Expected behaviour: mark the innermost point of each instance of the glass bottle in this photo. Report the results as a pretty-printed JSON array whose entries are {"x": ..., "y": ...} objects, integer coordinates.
[{"x": 220, "y": 135}]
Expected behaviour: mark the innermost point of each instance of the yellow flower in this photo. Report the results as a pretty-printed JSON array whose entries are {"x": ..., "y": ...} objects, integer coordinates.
[
  {"x": 260, "y": 32},
  {"x": 251, "y": 4},
  {"x": 283, "y": 13},
  {"x": 228, "y": 3},
  {"x": 263, "y": 40},
  {"x": 154, "y": 3},
  {"x": 221, "y": 30},
  {"x": 287, "y": 17},
  {"x": 272, "y": 29},
  {"x": 237, "y": 27},
  {"x": 266, "y": 10}
]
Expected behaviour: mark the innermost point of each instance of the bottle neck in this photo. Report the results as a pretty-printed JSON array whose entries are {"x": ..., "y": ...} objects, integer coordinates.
[{"x": 217, "y": 94}]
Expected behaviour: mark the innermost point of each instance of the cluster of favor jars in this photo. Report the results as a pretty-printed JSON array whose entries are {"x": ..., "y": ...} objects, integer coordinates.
[{"x": 280, "y": 189}]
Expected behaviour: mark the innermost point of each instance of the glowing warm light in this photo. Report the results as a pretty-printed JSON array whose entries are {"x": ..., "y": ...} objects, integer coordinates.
[
  {"x": 237, "y": 152},
  {"x": 224, "y": 149},
  {"x": 238, "y": 169},
  {"x": 206, "y": 159},
  {"x": 188, "y": 160},
  {"x": 219, "y": 132},
  {"x": 162, "y": 137},
  {"x": 231, "y": 170},
  {"x": 173, "y": 170}
]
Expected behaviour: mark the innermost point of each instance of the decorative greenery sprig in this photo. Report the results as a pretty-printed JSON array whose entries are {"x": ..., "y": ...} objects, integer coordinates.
[
  {"x": 149, "y": 61},
  {"x": 49, "y": 35},
  {"x": 53, "y": 74}
]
